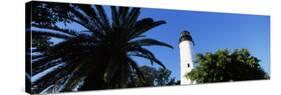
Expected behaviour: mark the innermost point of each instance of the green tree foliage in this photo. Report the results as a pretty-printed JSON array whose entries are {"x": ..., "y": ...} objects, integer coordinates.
[
  {"x": 223, "y": 66},
  {"x": 47, "y": 14},
  {"x": 99, "y": 57},
  {"x": 153, "y": 77}
]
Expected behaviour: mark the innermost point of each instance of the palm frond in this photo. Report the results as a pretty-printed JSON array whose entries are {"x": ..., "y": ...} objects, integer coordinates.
[
  {"x": 84, "y": 20},
  {"x": 75, "y": 11},
  {"x": 67, "y": 31},
  {"x": 47, "y": 75},
  {"x": 44, "y": 64},
  {"x": 103, "y": 17},
  {"x": 91, "y": 14},
  {"x": 115, "y": 16},
  {"x": 123, "y": 12},
  {"x": 49, "y": 34},
  {"x": 133, "y": 16},
  {"x": 144, "y": 25},
  {"x": 139, "y": 49},
  {"x": 151, "y": 58},
  {"x": 34, "y": 57},
  {"x": 149, "y": 42},
  {"x": 144, "y": 53},
  {"x": 74, "y": 78}
]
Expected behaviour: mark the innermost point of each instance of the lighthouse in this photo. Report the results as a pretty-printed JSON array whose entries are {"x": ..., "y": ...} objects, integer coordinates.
[{"x": 186, "y": 49}]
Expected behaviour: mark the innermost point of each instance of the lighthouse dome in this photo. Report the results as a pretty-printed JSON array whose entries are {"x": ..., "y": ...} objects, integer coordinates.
[{"x": 185, "y": 36}]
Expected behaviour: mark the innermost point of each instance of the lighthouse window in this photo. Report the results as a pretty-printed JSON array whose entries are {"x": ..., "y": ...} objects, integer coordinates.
[{"x": 188, "y": 65}]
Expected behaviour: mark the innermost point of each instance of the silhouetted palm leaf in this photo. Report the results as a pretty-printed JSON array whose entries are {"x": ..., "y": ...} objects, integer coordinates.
[{"x": 149, "y": 42}]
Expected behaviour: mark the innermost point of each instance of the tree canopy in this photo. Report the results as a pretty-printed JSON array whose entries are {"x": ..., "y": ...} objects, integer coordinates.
[
  {"x": 224, "y": 65},
  {"x": 153, "y": 77}
]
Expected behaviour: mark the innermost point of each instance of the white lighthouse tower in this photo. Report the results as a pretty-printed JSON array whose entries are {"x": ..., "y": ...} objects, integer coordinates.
[{"x": 186, "y": 49}]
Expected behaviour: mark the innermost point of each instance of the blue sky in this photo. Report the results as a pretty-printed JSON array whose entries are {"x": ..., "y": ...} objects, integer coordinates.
[{"x": 210, "y": 32}]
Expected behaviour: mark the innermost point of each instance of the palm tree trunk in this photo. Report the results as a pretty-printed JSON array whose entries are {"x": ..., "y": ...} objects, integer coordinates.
[{"x": 95, "y": 79}]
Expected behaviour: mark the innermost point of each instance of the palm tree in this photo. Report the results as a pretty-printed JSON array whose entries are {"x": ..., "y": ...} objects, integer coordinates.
[{"x": 99, "y": 57}]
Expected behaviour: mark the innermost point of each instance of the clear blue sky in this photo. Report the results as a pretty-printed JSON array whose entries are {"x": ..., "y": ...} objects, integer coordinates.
[{"x": 210, "y": 31}]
